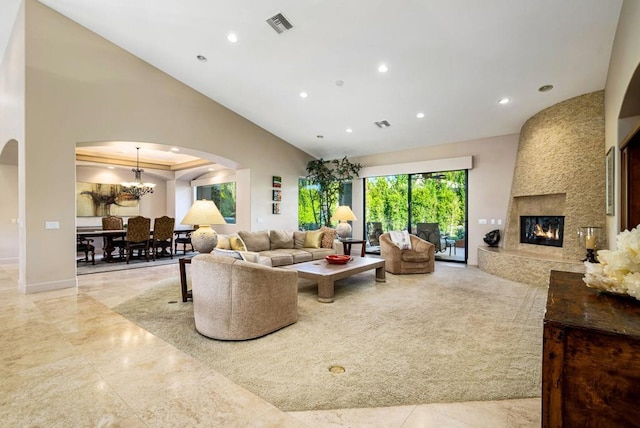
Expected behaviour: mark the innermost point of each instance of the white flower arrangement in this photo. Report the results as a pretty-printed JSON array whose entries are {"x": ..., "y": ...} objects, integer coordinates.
[{"x": 619, "y": 270}]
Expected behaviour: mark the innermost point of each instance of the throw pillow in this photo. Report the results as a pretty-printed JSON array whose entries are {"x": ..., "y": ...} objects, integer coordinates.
[
  {"x": 281, "y": 239},
  {"x": 228, "y": 253},
  {"x": 400, "y": 239},
  {"x": 236, "y": 243},
  {"x": 298, "y": 239},
  {"x": 223, "y": 242},
  {"x": 328, "y": 236},
  {"x": 313, "y": 239},
  {"x": 255, "y": 241}
]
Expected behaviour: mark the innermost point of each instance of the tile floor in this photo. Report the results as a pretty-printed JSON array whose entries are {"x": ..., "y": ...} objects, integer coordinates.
[{"x": 67, "y": 360}]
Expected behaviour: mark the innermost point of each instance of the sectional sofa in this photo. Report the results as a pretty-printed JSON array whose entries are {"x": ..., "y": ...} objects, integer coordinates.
[{"x": 279, "y": 247}]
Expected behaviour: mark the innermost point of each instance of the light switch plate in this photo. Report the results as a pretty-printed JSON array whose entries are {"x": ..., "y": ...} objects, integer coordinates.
[{"x": 52, "y": 225}]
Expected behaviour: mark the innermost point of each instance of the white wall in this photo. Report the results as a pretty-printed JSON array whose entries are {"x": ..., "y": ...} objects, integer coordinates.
[
  {"x": 489, "y": 180},
  {"x": 8, "y": 214},
  {"x": 625, "y": 58}
]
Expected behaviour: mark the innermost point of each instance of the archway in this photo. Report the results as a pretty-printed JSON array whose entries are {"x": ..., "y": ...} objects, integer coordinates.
[{"x": 9, "y": 230}]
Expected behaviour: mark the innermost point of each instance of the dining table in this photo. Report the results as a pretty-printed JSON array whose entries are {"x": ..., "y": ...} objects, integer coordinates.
[{"x": 109, "y": 236}]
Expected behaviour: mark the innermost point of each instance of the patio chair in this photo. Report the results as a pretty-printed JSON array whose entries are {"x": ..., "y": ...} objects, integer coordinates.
[{"x": 431, "y": 232}]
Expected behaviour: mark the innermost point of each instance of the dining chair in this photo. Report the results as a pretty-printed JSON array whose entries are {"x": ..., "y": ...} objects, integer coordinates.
[
  {"x": 138, "y": 236},
  {"x": 110, "y": 243},
  {"x": 85, "y": 245},
  {"x": 183, "y": 237},
  {"x": 162, "y": 236}
]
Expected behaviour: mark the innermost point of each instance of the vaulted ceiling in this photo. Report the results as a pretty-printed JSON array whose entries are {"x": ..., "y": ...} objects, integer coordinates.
[{"x": 448, "y": 60}]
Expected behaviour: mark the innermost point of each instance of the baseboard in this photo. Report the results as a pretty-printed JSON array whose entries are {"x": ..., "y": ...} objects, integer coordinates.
[
  {"x": 49, "y": 286},
  {"x": 9, "y": 260}
]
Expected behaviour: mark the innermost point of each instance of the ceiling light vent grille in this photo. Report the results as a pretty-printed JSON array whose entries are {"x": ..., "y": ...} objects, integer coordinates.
[
  {"x": 382, "y": 124},
  {"x": 279, "y": 23}
]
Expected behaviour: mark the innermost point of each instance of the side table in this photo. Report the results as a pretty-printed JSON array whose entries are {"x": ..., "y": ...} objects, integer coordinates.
[
  {"x": 186, "y": 294},
  {"x": 346, "y": 243}
]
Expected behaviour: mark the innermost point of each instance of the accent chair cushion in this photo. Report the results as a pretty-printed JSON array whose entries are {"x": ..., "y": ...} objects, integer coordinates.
[
  {"x": 223, "y": 242},
  {"x": 328, "y": 236},
  {"x": 313, "y": 239},
  {"x": 228, "y": 253},
  {"x": 237, "y": 243}
]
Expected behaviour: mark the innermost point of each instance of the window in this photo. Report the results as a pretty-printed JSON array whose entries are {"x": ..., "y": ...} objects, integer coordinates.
[{"x": 223, "y": 195}]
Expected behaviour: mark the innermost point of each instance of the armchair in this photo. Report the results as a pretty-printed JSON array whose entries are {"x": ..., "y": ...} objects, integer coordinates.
[
  {"x": 419, "y": 259},
  {"x": 238, "y": 300}
]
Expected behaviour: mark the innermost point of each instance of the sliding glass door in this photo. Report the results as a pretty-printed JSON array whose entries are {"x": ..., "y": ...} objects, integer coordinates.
[{"x": 430, "y": 205}]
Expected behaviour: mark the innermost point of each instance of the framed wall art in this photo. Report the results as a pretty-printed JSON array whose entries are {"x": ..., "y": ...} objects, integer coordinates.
[{"x": 99, "y": 200}]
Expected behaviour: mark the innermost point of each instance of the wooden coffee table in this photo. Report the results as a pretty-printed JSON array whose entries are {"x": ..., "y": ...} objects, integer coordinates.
[{"x": 326, "y": 274}]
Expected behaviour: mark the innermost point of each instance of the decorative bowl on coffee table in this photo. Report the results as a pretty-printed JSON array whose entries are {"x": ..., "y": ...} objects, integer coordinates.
[{"x": 337, "y": 259}]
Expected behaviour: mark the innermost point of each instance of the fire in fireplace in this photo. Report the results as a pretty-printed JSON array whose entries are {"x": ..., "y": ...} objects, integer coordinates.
[{"x": 542, "y": 230}]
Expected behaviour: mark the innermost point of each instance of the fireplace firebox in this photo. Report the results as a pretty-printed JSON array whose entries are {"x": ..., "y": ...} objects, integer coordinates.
[{"x": 542, "y": 230}]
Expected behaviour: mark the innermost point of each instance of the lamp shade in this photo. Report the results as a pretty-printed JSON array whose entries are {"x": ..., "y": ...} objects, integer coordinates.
[
  {"x": 203, "y": 213},
  {"x": 344, "y": 213}
]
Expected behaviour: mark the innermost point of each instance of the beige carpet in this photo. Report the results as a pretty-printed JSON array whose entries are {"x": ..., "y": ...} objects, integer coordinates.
[{"x": 456, "y": 335}]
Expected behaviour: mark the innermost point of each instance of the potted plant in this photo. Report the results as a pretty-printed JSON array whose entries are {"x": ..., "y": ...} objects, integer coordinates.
[{"x": 329, "y": 176}]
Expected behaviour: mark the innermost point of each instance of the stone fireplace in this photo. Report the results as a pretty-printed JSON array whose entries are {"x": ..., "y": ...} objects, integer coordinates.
[
  {"x": 542, "y": 230},
  {"x": 559, "y": 174}
]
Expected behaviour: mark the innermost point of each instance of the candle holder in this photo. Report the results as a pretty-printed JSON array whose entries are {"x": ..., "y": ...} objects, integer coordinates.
[{"x": 591, "y": 238}]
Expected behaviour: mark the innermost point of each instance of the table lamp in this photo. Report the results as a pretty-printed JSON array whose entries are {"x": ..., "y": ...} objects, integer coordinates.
[
  {"x": 344, "y": 214},
  {"x": 203, "y": 213}
]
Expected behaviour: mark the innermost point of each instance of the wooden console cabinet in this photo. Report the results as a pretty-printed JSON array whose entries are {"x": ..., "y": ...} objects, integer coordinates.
[{"x": 591, "y": 356}]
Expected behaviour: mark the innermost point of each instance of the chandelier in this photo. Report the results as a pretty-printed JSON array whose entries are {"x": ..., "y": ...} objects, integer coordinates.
[{"x": 137, "y": 188}]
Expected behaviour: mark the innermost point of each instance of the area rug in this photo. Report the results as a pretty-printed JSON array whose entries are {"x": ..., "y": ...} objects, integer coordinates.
[{"x": 458, "y": 334}]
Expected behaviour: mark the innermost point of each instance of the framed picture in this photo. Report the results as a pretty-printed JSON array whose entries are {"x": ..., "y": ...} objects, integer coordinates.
[
  {"x": 610, "y": 165},
  {"x": 277, "y": 181},
  {"x": 276, "y": 207},
  {"x": 277, "y": 195},
  {"x": 99, "y": 200}
]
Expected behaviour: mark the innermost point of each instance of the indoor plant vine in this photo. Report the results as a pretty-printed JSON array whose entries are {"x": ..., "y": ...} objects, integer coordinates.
[{"x": 330, "y": 176}]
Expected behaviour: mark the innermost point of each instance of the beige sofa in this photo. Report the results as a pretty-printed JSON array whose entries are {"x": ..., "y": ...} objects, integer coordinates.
[
  {"x": 238, "y": 300},
  {"x": 281, "y": 247}
]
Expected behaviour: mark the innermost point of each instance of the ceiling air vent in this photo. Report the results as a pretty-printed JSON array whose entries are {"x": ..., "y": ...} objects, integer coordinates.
[
  {"x": 279, "y": 23},
  {"x": 382, "y": 124}
]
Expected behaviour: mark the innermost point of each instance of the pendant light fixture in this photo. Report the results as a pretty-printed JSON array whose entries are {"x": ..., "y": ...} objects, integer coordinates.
[{"x": 137, "y": 188}]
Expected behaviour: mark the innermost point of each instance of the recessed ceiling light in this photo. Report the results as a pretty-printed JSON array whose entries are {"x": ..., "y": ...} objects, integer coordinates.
[
  {"x": 420, "y": 115},
  {"x": 383, "y": 68},
  {"x": 232, "y": 37},
  {"x": 202, "y": 58},
  {"x": 303, "y": 95},
  {"x": 175, "y": 149},
  {"x": 545, "y": 88},
  {"x": 349, "y": 130},
  {"x": 503, "y": 101}
]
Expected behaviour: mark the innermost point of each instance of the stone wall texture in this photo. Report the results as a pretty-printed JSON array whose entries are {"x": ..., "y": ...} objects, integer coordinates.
[
  {"x": 560, "y": 158},
  {"x": 560, "y": 170}
]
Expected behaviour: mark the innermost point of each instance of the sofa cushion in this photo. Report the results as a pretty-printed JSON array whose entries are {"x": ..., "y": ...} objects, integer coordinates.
[
  {"x": 313, "y": 239},
  {"x": 256, "y": 241},
  {"x": 237, "y": 243},
  {"x": 320, "y": 253},
  {"x": 414, "y": 256},
  {"x": 299, "y": 256},
  {"x": 281, "y": 239},
  {"x": 328, "y": 236},
  {"x": 298, "y": 239},
  {"x": 223, "y": 242},
  {"x": 278, "y": 257}
]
